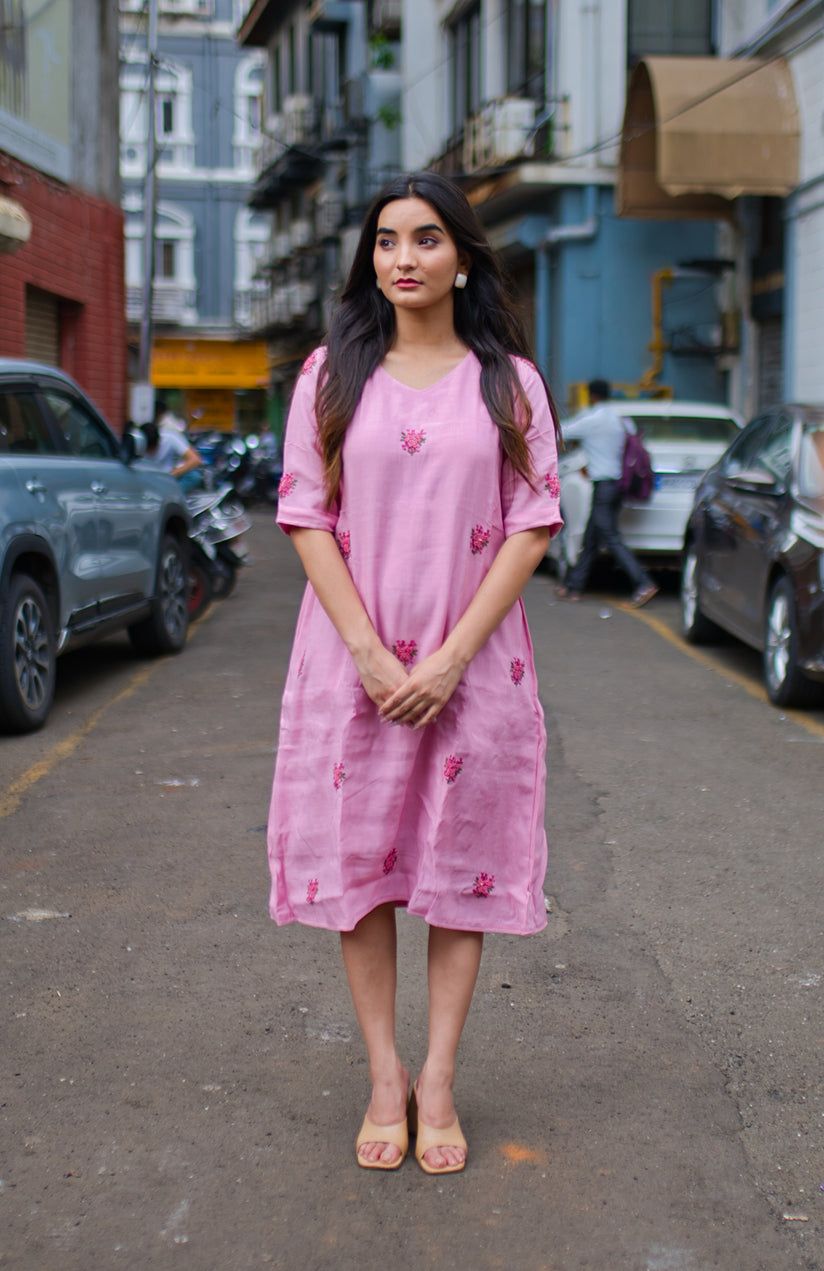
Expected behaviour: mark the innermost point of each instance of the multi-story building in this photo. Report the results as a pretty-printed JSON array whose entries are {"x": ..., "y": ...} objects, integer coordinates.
[
  {"x": 331, "y": 138},
  {"x": 207, "y": 239},
  {"x": 522, "y": 103},
  {"x": 61, "y": 227},
  {"x": 781, "y": 238}
]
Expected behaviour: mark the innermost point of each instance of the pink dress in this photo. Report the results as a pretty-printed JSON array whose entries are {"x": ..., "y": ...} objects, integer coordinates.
[{"x": 447, "y": 820}]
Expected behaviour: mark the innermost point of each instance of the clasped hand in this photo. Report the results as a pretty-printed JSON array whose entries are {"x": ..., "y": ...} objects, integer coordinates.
[{"x": 414, "y": 697}]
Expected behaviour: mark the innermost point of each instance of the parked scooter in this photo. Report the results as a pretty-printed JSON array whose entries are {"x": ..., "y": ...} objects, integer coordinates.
[{"x": 216, "y": 552}]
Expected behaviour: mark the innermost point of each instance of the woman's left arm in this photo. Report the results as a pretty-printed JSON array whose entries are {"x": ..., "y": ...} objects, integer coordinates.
[{"x": 430, "y": 685}]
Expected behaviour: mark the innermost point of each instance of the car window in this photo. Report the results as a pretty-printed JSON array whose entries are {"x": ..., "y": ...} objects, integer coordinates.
[
  {"x": 685, "y": 428},
  {"x": 83, "y": 433},
  {"x": 744, "y": 451},
  {"x": 23, "y": 430},
  {"x": 776, "y": 453},
  {"x": 811, "y": 463}
]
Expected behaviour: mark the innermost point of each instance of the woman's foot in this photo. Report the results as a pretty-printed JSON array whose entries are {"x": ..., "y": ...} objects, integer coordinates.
[
  {"x": 387, "y": 1107},
  {"x": 436, "y": 1111}
]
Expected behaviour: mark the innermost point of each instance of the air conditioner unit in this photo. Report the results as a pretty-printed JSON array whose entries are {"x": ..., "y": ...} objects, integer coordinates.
[
  {"x": 328, "y": 216},
  {"x": 300, "y": 233},
  {"x": 301, "y": 295},
  {"x": 281, "y": 246},
  {"x": 298, "y": 118},
  {"x": 501, "y": 132}
]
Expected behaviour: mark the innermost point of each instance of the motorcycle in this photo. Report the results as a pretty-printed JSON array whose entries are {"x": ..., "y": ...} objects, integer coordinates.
[{"x": 215, "y": 548}]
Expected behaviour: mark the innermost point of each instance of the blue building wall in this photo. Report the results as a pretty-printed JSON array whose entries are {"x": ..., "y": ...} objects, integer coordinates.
[{"x": 601, "y": 321}]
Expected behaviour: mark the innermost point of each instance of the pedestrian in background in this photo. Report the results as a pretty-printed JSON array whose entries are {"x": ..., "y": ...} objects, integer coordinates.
[
  {"x": 171, "y": 451},
  {"x": 420, "y": 489},
  {"x": 602, "y": 432}
]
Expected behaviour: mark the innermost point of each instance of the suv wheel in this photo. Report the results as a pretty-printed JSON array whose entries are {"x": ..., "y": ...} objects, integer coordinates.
[
  {"x": 27, "y": 657},
  {"x": 164, "y": 631}
]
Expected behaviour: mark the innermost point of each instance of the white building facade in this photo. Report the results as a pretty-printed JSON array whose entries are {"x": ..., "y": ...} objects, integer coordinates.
[{"x": 794, "y": 30}]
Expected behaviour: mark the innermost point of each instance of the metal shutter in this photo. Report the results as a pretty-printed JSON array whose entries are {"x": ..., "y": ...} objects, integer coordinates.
[{"x": 42, "y": 326}]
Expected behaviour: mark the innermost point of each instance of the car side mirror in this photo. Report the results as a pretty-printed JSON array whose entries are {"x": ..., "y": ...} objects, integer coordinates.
[
  {"x": 132, "y": 446},
  {"x": 755, "y": 481}
]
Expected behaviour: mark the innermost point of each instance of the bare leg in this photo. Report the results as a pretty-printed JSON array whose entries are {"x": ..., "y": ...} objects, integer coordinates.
[
  {"x": 370, "y": 958},
  {"x": 454, "y": 960}
]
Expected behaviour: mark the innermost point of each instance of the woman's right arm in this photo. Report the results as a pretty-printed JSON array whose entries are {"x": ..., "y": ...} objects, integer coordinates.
[{"x": 380, "y": 671}]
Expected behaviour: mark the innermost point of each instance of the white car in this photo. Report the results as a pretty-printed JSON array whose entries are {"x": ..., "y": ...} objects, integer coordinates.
[{"x": 683, "y": 439}]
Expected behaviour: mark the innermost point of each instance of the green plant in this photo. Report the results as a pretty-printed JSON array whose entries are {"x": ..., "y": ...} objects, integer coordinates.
[{"x": 381, "y": 53}]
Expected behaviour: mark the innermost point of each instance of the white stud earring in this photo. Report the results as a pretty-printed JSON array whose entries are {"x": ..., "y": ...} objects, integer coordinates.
[
  {"x": 378, "y": 283},
  {"x": 460, "y": 281}
]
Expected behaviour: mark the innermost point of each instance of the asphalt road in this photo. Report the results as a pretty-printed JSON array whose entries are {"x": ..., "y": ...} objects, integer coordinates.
[{"x": 641, "y": 1085}]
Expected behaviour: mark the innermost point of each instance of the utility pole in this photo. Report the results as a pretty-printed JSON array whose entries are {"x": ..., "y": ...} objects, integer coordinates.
[{"x": 149, "y": 209}]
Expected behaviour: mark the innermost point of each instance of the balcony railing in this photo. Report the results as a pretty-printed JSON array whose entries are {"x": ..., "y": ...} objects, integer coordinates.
[
  {"x": 286, "y": 305},
  {"x": 245, "y": 298},
  {"x": 386, "y": 17},
  {"x": 169, "y": 303},
  {"x": 501, "y": 131}
]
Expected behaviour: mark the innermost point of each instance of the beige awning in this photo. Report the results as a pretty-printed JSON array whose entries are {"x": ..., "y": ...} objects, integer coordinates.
[
  {"x": 15, "y": 225},
  {"x": 700, "y": 131}
]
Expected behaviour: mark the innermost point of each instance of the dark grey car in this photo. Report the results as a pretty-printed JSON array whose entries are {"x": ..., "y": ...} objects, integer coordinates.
[
  {"x": 89, "y": 543},
  {"x": 754, "y": 550}
]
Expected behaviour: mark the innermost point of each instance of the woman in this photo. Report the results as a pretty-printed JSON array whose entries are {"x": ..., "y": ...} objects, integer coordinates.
[{"x": 420, "y": 489}]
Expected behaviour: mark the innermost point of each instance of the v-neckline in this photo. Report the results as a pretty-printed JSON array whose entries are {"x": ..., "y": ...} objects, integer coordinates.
[{"x": 427, "y": 387}]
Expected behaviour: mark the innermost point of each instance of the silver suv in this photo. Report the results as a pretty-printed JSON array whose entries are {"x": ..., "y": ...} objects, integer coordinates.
[{"x": 89, "y": 544}]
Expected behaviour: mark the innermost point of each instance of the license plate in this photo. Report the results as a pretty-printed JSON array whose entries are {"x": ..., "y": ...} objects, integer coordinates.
[{"x": 673, "y": 481}]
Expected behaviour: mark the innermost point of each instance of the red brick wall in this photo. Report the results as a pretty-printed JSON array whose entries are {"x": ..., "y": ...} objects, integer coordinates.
[{"x": 76, "y": 253}]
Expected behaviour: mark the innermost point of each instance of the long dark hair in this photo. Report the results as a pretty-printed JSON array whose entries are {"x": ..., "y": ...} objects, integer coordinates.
[{"x": 363, "y": 328}]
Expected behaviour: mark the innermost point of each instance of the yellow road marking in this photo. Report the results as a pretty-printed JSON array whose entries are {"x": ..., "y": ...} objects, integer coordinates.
[
  {"x": 11, "y": 799},
  {"x": 803, "y": 720}
]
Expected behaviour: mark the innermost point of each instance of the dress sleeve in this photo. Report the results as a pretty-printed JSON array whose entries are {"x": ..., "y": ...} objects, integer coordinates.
[
  {"x": 525, "y": 506},
  {"x": 301, "y": 494}
]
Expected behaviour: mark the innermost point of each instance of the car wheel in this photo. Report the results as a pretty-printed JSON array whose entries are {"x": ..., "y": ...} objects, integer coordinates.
[
  {"x": 696, "y": 627},
  {"x": 200, "y": 589},
  {"x": 785, "y": 681},
  {"x": 164, "y": 631},
  {"x": 27, "y": 657}
]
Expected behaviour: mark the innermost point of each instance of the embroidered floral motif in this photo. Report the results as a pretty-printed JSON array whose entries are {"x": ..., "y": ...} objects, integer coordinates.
[
  {"x": 311, "y": 891},
  {"x": 390, "y": 861},
  {"x": 516, "y": 670},
  {"x": 287, "y": 484},
  {"x": 310, "y": 362},
  {"x": 338, "y": 775},
  {"x": 484, "y": 884},
  {"x": 405, "y": 651},
  {"x": 345, "y": 544},
  {"x": 412, "y": 439},
  {"x": 552, "y": 485},
  {"x": 452, "y": 766},
  {"x": 478, "y": 539}
]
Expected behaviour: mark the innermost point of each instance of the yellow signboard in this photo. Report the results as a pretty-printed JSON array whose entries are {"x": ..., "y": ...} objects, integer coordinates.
[{"x": 185, "y": 363}]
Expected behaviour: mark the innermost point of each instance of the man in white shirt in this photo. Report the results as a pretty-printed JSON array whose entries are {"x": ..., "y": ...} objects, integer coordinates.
[
  {"x": 172, "y": 452},
  {"x": 602, "y": 434}
]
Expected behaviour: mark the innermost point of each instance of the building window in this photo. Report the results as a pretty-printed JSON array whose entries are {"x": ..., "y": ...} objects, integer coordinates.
[
  {"x": 526, "y": 48},
  {"x": 173, "y": 116},
  {"x": 166, "y": 116},
  {"x": 675, "y": 28},
  {"x": 248, "y": 110},
  {"x": 466, "y": 67},
  {"x": 165, "y": 260}
]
